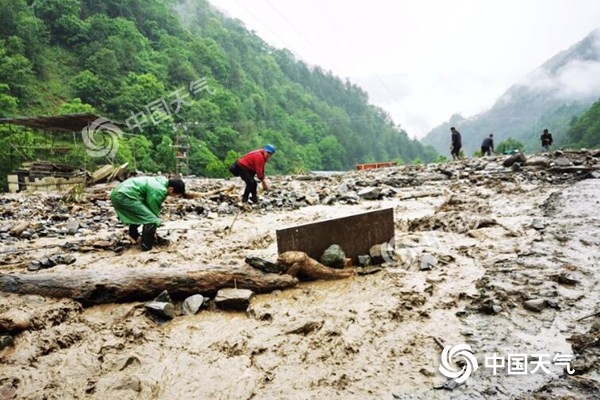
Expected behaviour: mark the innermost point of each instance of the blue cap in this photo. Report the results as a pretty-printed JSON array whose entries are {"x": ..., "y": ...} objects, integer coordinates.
[{"x": 269, "y": 148}]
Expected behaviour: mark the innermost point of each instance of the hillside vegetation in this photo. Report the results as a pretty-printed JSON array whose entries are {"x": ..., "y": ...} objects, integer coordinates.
[
  {"x": 584, "y": 131},
  {"x": 179, "y": 67},
  {"x": 553, "y": 96}
]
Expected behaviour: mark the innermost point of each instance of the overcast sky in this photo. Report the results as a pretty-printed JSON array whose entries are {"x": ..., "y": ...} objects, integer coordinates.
[{"x": 422, "y": 60}]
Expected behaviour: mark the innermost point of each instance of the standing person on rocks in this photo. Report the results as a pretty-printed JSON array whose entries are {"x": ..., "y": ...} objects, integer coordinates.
[
  {"x": 137, "y": 201},
  {"x": 487, "y": 146},
  {"x": 456, "y": 143},
  {"x": 547, "y": 140},
  {"x": 249, "y": 165}
]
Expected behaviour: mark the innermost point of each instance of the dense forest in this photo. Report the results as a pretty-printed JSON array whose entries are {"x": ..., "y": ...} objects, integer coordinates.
[
  {"x": 585, "y": 130},
  {"x": 174, "y": 68}
]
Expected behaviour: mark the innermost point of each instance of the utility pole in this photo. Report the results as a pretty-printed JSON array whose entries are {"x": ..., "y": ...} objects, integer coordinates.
[{"x": 182, "y": 149}]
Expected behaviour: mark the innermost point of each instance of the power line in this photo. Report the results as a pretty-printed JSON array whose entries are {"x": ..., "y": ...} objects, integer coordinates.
[
  {"x": 300, "y": 34},
  {"x": 333, "y": 22},
  {"x": 268, "y": 28}
]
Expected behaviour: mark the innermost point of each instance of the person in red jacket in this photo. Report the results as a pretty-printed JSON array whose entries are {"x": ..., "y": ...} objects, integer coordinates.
[{"x": 249, "y": 165}]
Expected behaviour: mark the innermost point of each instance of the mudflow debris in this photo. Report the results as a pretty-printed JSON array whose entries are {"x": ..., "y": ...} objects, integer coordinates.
[{"x": 499, "y": 254}]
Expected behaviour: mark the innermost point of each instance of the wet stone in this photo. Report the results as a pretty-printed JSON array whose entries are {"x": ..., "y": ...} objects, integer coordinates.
[
  {"x": 160, "y": 309},
  {"x": 351, "y": 197},
  {"x": 370, "y": 193},
  {"x": 5, "y": 341},
  {"x": 535, "y": 305},
  {"x": 328, "y": 200},
  {"x": 538, "y": 224},
  {"x": 192, "y": 304},
  {"x": 164, "y": 297},
  {"x": 380, "y": 253},
  {"x": 234, "y": 299},
  {"x": 364, "y": 260},
  {"x": 35, "y": 265},
  {"x": 72, "y": 227},
  {"x": 333, "y": 257},
  {"x": 311, "y": 200},
  {"x": 428, "y": 261},
  {"x": 47, "y": 263},
  {"x": 563, "y": 162}
]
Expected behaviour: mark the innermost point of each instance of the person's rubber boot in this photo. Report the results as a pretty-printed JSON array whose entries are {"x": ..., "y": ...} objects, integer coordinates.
[
  {"x": 134, "y": 235},
  {"x": 148, "y": 237}
]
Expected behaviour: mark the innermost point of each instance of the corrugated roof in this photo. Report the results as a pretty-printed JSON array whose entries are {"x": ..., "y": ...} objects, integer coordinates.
[{"x": 68, "y": 123}]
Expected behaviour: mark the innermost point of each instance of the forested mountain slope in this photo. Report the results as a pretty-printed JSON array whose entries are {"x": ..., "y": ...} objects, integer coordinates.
[
  {"x": 552, "y": 97},
  {"x": 171, "y": 62}
]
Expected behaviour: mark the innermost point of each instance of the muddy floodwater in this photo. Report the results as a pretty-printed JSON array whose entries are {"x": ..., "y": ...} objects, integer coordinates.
[{"x": 516, "y": 270}]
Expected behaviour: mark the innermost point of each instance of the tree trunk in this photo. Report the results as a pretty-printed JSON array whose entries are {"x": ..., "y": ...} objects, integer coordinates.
[{"x": 95, "y": 287}]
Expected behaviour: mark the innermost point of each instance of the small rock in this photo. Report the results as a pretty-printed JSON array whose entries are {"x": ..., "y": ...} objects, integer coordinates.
[
  {"x": 364, "y": 260},
  {"x": 428, "y": 261},
  {"x": 535, "y": 304},
  {"x": 192, "y": 304},
  {"x": 35, "y": 265},
  {"x": 333, "y": 257},
  {"x": 5, "y": 341},
  {"x": 72, "y": 227},
  {"x": 164, "y": 297},
  {"x": 369, "y": 193},
  {"x": 161, "y": 309},
  {"x": 235, "y": 299}
]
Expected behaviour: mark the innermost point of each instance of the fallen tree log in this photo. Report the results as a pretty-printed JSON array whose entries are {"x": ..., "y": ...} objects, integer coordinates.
[{"x": 96, "y": 287}]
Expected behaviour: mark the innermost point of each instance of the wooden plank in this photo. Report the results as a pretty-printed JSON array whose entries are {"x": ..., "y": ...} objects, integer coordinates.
[
  {"x": 354, "y": 234},
  {"x": 361, "y": 167}
]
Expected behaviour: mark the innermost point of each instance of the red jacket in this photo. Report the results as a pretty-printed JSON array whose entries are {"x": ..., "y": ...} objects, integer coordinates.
[{"x": 255, "y": 162}]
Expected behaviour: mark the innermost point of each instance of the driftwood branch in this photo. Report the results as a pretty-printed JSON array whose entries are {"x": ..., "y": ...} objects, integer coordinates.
[
  {"x": 300, "y": 265},
  {"x": 419, "y": 195},
  {"x": 196, "y": 195},
  {"x": 96, "y": 287},
  {"x": 588, "y": 316}
]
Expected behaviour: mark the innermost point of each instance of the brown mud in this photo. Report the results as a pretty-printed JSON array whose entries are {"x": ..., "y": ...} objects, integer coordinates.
[{"x": 498, "y": 244}]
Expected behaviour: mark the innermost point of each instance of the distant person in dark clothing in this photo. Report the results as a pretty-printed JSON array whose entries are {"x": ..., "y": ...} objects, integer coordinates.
[
  {"x": 487, "y": 146},
  {"x": 456, "y": 143},
  {"x": 249, "y": 165},
  {"x": 547, "y": 140}
]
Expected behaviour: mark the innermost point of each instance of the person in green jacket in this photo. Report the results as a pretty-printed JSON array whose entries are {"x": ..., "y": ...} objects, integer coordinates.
[{"x": 137, "y": 201}]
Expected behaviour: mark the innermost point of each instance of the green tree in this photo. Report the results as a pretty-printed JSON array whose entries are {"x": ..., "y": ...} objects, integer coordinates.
[
  {"x": 585, "y": 130},
  {"x": 75, "y": 106},
  {"x": 165, "y": 155},
  {"x": 508, "y": 145},
  {"x": 8, "y": 103},
  {"x": 332, "y": 154}
]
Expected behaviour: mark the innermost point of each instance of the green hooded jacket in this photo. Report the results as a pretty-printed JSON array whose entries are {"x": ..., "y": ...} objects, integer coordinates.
[{"x": 138, "y": 200}]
